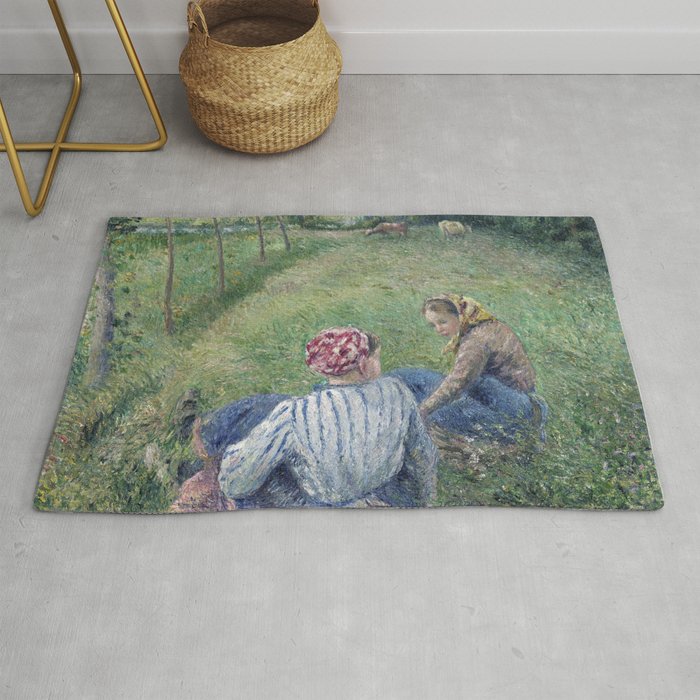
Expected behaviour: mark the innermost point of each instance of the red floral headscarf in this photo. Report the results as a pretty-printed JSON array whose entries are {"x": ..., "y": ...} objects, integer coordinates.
[{"x": 337, "y": 351}]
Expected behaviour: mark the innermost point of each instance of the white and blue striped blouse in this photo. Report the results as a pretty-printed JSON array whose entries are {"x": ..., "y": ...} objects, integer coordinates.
[{"x": 341, "y": 444}]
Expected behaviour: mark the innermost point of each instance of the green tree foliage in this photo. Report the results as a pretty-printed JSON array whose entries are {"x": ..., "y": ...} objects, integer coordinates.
[
  {"x": 572, "y": 232},
  {"x": 124, "y": 225}
]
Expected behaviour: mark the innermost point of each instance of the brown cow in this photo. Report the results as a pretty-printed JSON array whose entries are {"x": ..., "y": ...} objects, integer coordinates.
[{"x": 401, "y": 229}]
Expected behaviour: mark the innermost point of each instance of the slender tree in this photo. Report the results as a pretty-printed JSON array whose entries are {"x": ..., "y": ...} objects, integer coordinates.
[
  {"x": 262, "y": 239},
  {"x": 220, "y": 246},
  {"x": 283, "y": 228},
  {"x": 169, "y": 281},
  {"x": 103, "y": 328}
]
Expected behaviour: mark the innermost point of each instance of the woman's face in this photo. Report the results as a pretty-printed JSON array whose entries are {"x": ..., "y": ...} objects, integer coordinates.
[
  {"x": 372, "y": 366},
  {"x": 444, "y": 323}
]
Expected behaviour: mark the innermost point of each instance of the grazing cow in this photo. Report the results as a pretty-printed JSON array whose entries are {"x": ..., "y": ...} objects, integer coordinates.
[
  {"x": 401, "y": 229},
  {"x": 454, "y": 228}
]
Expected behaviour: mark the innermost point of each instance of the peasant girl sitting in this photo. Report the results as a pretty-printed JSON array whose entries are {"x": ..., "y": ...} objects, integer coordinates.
[{"x": 490, "y": 391}]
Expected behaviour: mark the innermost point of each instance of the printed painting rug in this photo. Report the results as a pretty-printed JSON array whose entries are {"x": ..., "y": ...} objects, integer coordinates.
[{"x": 314, "y": 361}]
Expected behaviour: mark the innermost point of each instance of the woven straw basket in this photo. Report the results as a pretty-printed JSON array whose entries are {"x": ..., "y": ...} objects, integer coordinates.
[{"x": 261, "y": 75}]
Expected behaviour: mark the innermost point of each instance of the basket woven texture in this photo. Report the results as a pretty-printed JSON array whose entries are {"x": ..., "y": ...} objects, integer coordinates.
[{"x": 261, "y": 75}]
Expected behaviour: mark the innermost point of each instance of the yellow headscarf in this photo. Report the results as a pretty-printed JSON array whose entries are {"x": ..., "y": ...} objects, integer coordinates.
[{"x": 471, "y": 313}]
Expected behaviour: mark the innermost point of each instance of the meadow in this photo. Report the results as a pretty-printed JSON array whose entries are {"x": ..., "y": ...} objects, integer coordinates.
[{"x": 118, "y": 446}]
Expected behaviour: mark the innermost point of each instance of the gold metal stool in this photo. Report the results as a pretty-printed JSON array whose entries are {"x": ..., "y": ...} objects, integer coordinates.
[{"x": 56, "y": 147}]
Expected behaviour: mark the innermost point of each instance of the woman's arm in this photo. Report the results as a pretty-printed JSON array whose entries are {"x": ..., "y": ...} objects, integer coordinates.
[
  {"x": 247, "y": 464},
  {"x": 472, "y": 356}
]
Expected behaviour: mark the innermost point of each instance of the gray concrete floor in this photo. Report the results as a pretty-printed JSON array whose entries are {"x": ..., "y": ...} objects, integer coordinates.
[{"x": 450, "y": 603}]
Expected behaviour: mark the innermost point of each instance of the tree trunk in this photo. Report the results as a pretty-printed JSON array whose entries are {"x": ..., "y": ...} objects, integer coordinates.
[
  {"x": 287, "y": 244},
  {"x": 103, "y": 328},
  {"x": 169, "y": 281},
  {"x": 220, "y": 246},
  {"x": 262, "y": 239}
]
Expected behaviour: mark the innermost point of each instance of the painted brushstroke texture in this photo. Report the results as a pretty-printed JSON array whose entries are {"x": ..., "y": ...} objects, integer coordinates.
[{"x": 207, "y": 320}]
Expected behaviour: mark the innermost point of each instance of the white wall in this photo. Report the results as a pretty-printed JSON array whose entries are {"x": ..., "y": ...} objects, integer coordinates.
[{"x": 392, "y": 36}]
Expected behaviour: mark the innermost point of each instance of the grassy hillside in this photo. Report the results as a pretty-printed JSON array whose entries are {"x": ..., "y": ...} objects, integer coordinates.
[{"x": 117, "y": 448}]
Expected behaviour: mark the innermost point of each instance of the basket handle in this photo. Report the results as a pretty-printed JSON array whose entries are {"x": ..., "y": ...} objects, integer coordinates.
[{"x": 197, "y": 20}]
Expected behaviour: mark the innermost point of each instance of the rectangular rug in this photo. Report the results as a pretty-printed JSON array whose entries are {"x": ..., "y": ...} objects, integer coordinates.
[{"x": 345, "y": 362}]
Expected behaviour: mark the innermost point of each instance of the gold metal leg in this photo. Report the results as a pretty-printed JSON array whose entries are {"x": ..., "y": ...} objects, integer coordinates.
[{"x": 34, "y": 207}]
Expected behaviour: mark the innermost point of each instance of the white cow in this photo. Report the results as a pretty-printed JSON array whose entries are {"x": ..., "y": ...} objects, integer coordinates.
[{"x": 454, "y": 228}]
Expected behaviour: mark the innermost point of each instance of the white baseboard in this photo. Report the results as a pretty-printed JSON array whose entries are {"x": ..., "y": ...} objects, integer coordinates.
[{"x": 515, "y": 52}]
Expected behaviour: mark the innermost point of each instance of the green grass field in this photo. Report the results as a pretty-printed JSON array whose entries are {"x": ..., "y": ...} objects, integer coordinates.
[{"x": 116, "y": 447}]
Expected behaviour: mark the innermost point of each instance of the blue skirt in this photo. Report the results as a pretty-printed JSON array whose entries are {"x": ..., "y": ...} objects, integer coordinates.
[{"x": 488, "y": 409}]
